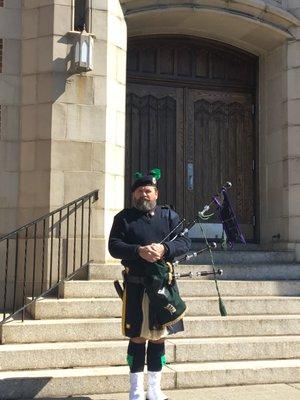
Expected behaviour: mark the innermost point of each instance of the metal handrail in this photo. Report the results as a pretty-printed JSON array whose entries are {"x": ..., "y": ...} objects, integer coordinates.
[
  {"x": 14, "y": 267},
  {"x": 94, "y": 194}
]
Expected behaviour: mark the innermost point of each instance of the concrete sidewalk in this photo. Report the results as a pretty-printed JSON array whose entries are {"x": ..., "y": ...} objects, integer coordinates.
[{"x": 253, "y": 392}]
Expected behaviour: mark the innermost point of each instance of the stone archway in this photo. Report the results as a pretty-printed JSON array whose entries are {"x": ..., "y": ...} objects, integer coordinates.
[{"x": 250, "y": 25}]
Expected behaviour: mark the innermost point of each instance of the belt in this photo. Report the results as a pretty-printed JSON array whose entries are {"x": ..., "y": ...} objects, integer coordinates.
[{"x": 138, "y": 280}]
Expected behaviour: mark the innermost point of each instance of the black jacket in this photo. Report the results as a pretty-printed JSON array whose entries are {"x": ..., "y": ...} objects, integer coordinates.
[{"x": 133, "y": 228}]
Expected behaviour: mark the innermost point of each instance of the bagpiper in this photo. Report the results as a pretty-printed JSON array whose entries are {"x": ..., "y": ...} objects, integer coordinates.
[{"x": 152, "y": 306}]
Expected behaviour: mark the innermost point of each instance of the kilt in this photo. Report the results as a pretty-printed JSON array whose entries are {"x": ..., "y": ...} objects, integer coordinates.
[{"x": 139, "y": 317}]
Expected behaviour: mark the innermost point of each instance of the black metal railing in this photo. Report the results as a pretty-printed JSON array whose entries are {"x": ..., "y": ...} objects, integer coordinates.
[{"x": 37, "y": 257}]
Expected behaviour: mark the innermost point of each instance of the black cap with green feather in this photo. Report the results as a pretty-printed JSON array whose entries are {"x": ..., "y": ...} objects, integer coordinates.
[{"x": 146, "y": 180}]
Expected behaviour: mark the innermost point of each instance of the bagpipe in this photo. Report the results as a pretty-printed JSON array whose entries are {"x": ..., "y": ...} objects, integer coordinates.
[
  {"x": 221, "y": 207},
  {"x": 160, "y": 278},
  {"x": 226, "y": 215}
]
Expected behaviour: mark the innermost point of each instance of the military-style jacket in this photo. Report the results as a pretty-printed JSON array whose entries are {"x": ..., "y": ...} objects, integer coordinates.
[{"x": 133, "y": 228}]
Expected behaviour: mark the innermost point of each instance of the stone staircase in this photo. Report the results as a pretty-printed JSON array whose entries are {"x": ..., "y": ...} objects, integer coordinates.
[{"x": 73, "y": 346}]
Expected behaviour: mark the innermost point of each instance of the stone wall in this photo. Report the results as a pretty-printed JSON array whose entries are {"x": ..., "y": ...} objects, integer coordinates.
[
  {"x": 10, "y": 92},
  {"x": 272, "y": 132},
  {"x": 292, "y": 143},
  {"x": 294, "y": 7},
  {"x": 36, "y": 109},
  {"x": 62, "y": 133},
  {"x": 77, "y": 142},
  {"x": 279, "y": 145}
]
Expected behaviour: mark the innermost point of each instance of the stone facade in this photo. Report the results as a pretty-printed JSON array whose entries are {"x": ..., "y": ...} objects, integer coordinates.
[
  {"x": 10, "y": 93},
  {"x": 292, "y": 130},
  {"x": 63, "y": 133},
  {"x": 77, "y": 120}
]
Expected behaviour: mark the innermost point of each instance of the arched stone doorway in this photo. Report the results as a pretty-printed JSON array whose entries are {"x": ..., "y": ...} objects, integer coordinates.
[{"x": 191, "y": 112}]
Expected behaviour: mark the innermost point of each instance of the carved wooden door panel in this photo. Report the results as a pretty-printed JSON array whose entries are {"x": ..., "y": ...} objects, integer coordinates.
[
  {"x": 200, "y": 139},
  {"x": 219, "y": 148},
  {"x": 154, "y": 138}
]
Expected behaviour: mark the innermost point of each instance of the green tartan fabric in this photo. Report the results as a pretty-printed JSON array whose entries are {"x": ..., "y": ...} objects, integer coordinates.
[{"x": 163, "y": 293}]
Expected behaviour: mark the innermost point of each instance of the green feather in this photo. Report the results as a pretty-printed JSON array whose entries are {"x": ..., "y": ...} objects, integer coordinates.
[
  {"x": 137, "y": 175},
  {"x": 222, "y": 308},
  {"x": 156, "y": 173}
]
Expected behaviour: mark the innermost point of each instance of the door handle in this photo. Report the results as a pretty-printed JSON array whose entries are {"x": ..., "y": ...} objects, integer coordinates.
[{"x": 190, "y": 176}]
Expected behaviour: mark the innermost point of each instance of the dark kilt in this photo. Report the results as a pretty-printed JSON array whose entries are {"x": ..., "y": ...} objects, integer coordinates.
[{"x": 132, "y": 313}]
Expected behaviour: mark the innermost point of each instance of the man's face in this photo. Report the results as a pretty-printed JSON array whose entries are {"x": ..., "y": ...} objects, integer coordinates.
[{"x": 144, "y": 198}]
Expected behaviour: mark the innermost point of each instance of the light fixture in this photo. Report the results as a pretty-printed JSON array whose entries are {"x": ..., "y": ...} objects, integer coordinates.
[{"x": 84, "y": 47}]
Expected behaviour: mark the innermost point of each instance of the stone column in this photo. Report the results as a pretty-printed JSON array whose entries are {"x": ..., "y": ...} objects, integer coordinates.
[
  {"x": 36, "y": 109},
  {"x": 88, "y": 118},
  {"x": 72, "y": 130},
  {"x": 293, "y": 132},
  {"x": 10, "y": 92},
  {"x": 272, "y": 117},
  {"x": 110, "y": 97},
  {"x": 280, "y": 174}
]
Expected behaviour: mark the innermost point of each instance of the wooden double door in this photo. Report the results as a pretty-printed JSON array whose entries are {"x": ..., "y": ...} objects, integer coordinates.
[{"x": 199, "y": 138}]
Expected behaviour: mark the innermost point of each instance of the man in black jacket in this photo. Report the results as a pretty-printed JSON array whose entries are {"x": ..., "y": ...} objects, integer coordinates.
[{"x": 135, "y": 238}]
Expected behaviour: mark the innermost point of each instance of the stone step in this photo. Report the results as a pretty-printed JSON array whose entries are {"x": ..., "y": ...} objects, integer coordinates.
[
  {"x": 241, "y": 257},
  {"x": 272, "y": 391},
  {"x": 70, "y": 330},
  {"x": 188, "y": 287},
  {"x": 246, "y": 271},
  {"x": 196, "y": 244},
  {"x": 268, "y": 272},
  {"x": 112, "y": 353},
  {"x": 49, "y": 308},
  {"x": 70, "y": 382},
  {"x": 236, "y": 373},
  {"x": 235, "y": 348}
]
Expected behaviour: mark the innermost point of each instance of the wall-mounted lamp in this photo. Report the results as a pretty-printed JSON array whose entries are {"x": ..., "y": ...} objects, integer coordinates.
[{"x": 84, "y": 47}]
